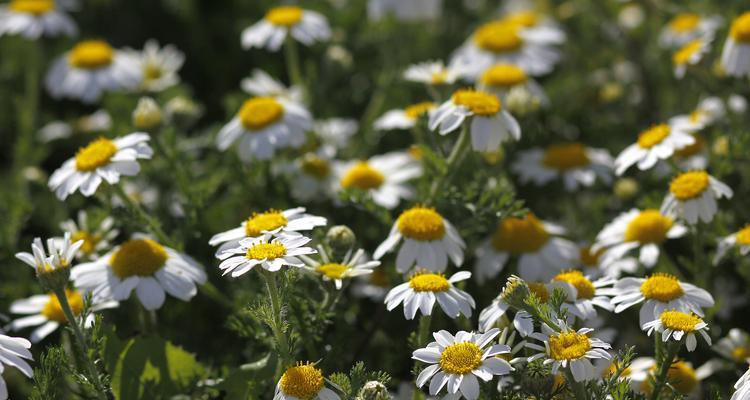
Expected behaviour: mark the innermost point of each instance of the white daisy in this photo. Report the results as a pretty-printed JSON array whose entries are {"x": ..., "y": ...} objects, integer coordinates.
[
  {"x": 335, "y": 133},
  {"x": 101, "y": 159},
  {"x": 686, "y": 27},
  {"x": 159, "y": 65},
  {"x": 434, "y": 73},
  {"x": 656, "y": 143},
  {"x": 692, "y": 196},
  {"x": 33, "y": 19},
  {"x": 595, "y": 264},
  {"x": 735, "y": 57},
  {"x": 405, "y": 10},
  {"x": 457, "y": 361},
  {"x": 740, "y": 239},
  {"x": 264, "y": 124},
  {"x": 709, "y": 111},
  {"x": 303, "y": 381},
  {"x": 311, "y": 176},
  {"x": 383, "y": 176},
  {"x": 690, "y": 54},
  {"x": 490, "y": 123},
  {"x": 588, "y": 294},
  {"x": 95, "y": 238},
  {"x": 305, "y": 26},
  {"x": 271, "y": 254},
  {"x": 61, "y": 254},
  {"x": 14, "y": 352},
  {"x": 353, "y": 265},
  {"x": 522, "y": 321},
  {"x": 681, "y": 376},
  {"x": 424, "y": 288},
  {"x": 261, "y": 84},
  {"x": 503, "y": 79},
  {"x": 676, "y": 325},
  {"x": 570, "y": 349},
  {"x": 91, "y": 68},
  {"x": 144, "y": 265},
  {"x": 406, "y": 118},
  {"x": 735, "y": 346},
  {"x": 574, "y": 163},
  {"x": 428, "y": 241}
]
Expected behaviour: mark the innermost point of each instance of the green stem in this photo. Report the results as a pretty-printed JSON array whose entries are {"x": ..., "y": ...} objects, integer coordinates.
[
  {"x": 291, "y": 52},
  {"x": 145, "y": 218},
  {"x": 424, "y": 329},
  {"x": 282, "y": 345},
  {"x": 451, "y": 164},
  {"x": 579, "y": 391},
  {"x": 664, "y": 363}
]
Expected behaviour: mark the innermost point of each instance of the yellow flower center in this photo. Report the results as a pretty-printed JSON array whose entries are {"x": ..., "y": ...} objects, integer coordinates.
[
  {"x": 415, "y": 111},
  {"x": 648, "y": 227},
  {"x": 91, "y": 54},
  {"x": 284, "y": 15},
  {"x": 653, "y": 136},
  {"x": 96, "y": 154},
  {"x": 429, "y": 282},
  {"x": 567, "y": 156},
  {"x": 525, "y": 19},
  {"x": 53, "y": 310},
  {"x": 362, "y": 176},
  {"x": 679, "y": 321},
  {"x": 266, "y": 251},
  {"x": 693, "y": 149},
  {"x": 583, "y": 285},
  {"x": 90, "y": 241},
  {"x": 460, "y": 358},
  {"x": 742, "y": 353},
  {"x": 503, "y": 75},
  {"x": 613, "y": 369},
  {"x": 662, "y": 287},
  {"x": 590, "y": 258},
  {"x": 686, "y": 22},
  {"x": 680, "y": 376},
  {"x": 740, "y": 31},
  {"x": 539, "y": 290},
  {"x": 333, "y": 270},
  {"x": 743, "y": 236},
  {"x": 152, "y": 72},
  {"x": 439, "y": 77},
  {"x": 689, "y": 185},
  {"x": 420, "y": 223},
  {"x": 315, "y": 166},
  {"x": 686, "y": 52},
  {"x": 265, "y": 221},
  {"x": 498, "y": 37},
  {"x": 141, "y": 257},
  {"x": 568, "y": 346},
  {"x": 479, "y": 103},
  {"x": 302, "y": 381},
  {"x": 260, "y": 112},
  {"x": 520, "y": 235},
  {"x": 35, "y": 7}
]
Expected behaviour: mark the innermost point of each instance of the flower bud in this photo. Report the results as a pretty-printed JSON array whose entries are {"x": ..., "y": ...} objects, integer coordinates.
[
  {"x": 147, "y": 114},
  {"x": 515, "y": 292},
  {"x": 626, "y": 188},
  {"x": 721, "y": 146},
  {"x": 182, "y": 111},
  {"x": 373, "y": 390},
  {"x": 340, "y": 238}
]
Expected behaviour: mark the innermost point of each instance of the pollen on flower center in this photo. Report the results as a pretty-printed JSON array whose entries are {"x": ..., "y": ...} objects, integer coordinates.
[
  {"x": 679, "y": 321},
  {"x": 34, "y": 7},
  {"x": 689, "y": 185},
  {"x": 740, "y": 31},
  {"x": 333, "y": 270},
  {"x": 265, "y": 221},
  {"x": 479, "y": 103},
  {"x": 583, "y": 285},
  {"x": 439, "y": 77},
  {"x": 90, "y": 240},
  {"x": 141, "y": 257},
  {"x": 526, "y": 19},
  {"x": 284, "y": 15},
  {"x": 686, "y": 52},
  {"x": 91, "y": 54},
  {"x": 428, "y": 282},
  {"x": 503, "y": 75},
  {"x": 266, "y": 251},
  {"x": 650, "y": 226},
  {"x": 460, "y": 358},
  {"x": 315, "y": 166},
  {"x": 260, "y": 112},
  {"x": 415, "y": 111},
  {"x": 302, "y": 381},
  {"x": 520, "y": 235},
  {"x": 498, "y": 37},
  {"x": 568, "y": 346},
  {"x": 743, "y": 236},
  {"x": 662, "y": 287},
  {"x": 362, "y": 176},
  {"x": 421, "y": 223},
  {"x": 742, "y": 353},
  {"x": 96, "y": 154},
  {"x": 692, "y": 149},
  {"x": 653, "y": 136},
  {"x": 539, "y": 290},
  {"x": 567, "y": 156},
  {"x": 53, "y": 310},
  {"x": 685, "y": 22}
]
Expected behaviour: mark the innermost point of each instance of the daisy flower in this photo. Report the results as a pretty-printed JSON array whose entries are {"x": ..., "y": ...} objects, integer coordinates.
[
  {"x": 305, "y": 26},
  {"x": 434, "y": 73},
  {"x": 374, "y": 286},
  {"x": 735, "y": 346},
  {"x": 574, "y": 163},
  {"x": 91, "y": 68},
  {"x": 383, "y": 176},
  {"x": 490, "y": 123},
  {"x": 159, "y": 65},
  {"x": 681, "y": 376},
  {"x": 570, "y": 349},
  {"x": 502, "y": 79},
  {"x": 522, "y": 321},
  {"x": 457, "y": 361},
  {"x": 261, "y": 84},
  {"x": 687, "y": 27},
  {"x": 311, "y": 175},
  {"x": 692, "y": 196},
  {"x": 690, "y": 54},
  {"x": 635, "y": 229},
  {"x": 45, "y": 312},
  {"x": 98, "y": 121},
  {"x": 264, "y": 124},
  {"x": 95, "y": 238},
  {"x": 658, "y": 293},
  {"x": 335, "y": 133},
  {"x": 353, "y": 265},
  {"x": 676, "y": 325},
  {"x": 32, "y": 19},
  {"x": 742, "y": 387},
  {"x": 588, "y": 294},
  {"x": 593, "y": 263},
  {"x": 102, "y": 159},
  {"x": 406, "y": 118},
  {"x": 144, "y": 265},
  {"x": 14, "y": 352},
  {"x": 656, "y": 143},
  {"x": 741, "y": 239},
  {"x": 708, "y": 111},
  {"x": 271, "y": 254},
  {"x": 424, "y": 288},
  {"x": 61, "y": 254},
  {"x": 428, "y": 241},
  {"x": 540, "y": 251},
  {"x": 735, "y": 57},
  {"x": 303, "y": 380},
  {"x": 405, "y": 10}
]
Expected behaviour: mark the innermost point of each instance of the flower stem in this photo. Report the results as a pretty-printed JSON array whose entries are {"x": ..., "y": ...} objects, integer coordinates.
[
  {"x": 451, "y": 164},
  {"x": 663, "y": 365},
  {"x": 282, "y": 345},
  {"x": 291, "y": 53},
  {"x": 424, "y": 329},
  {"x": 579, "y": 391},
  {"x": 144, "y": 218}
]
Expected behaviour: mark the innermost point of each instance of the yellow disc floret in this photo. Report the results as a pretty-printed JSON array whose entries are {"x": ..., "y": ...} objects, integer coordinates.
[
  {"x": 679, "y": 376},
  {"x": 650, "y": 226},
  {"x": 302, "y": 381},
  {"x": 421, "y": 223},
  {"x": 742, "y": 237},
  {"x": 689, "y": 185},
  {"x": 568, "y": 346},
  {"x": 479, "y": 103},
  {"x": 34, "y": 7},
  {"x": 525, "y": 19},
  {"x": 260, "y": 112},
  {"x": 362, "y": 176},
  {"x": 415, "y": 111},
  {"x": 96, "y": 154},
  {"x": 498, "y": 37},
  {"x": 662, "y": 287},
  {"x": 332, "y": 270},
  {"x": 503, "y": 75},
  {"x": 520, "y": 235},
  {"x": 653, "y": 136},
  {"x": 91, "y": 54},
  {"x": 539, "y": 290},
  {"x": 53, "y": 310},
  {"x": 315, "y": 166},
  {"x": 90, "y": 240},
  {"x": 583, "y": 285},
  {"x": 590, "y": 258},
  {"x": 284, "y": 15},
  {"x": 685, "y": 22},
  {"x": 269, "y": 220},
  {"x": 266, "y": 251},
  {"x": 740, "y": 31},
  {"x": 563, "y": 157},
  {"x": 686, "y": 52},
  {"x": 679, "y": 321},
  {"x": 428, "y": 282},
  {"x": 460, "y": 358},
  {"x": 141, "y": 257}
]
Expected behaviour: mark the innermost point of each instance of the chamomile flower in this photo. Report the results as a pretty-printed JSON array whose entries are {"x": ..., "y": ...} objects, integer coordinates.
[
  {"x": 678, "y": 325},
  {"x": 102, "y": 159},
  {"x": 98, "y": 121},
  {"x": 434, "y": 73},
  {"x": 588, "y": 293},
  {"x": 405, "y": 118},
  {"x": 735, "y": 346},
  {"x": 457, "y": 361},
  {"x": 311, "y": 175},
  {"x": 91, "y": 68},
  {"x": 658, "y": 293},
  {"x": 429, "y": 240},
  {"x": 14, "y": 352},
  {"x": 656, "y": 143},
  {"x": 594, "y": 263},
  {"x": 303, "y": 380},
  {"x": 33, "y": 19},
  {"x": 304, "y": 26},
  {"x": 692, "y": 196},
  {"x": 261, "y": 84},
  {"x": 681, "y": 376},
  {"x": 490, "y": 123},
  {"x": 740, "y": 239},
  {"x": 424, "y": 288},
  {"x": 574, "y": 163},
  {"x": 263, "y": 125},
  {"x": 638, "y": 229},
  {"x": 353, "y": 265},
  {"x": 735, "y": 57},
  {"x": 269, "y": 253},
  {"x": 502, "y": 79},
  {"x": 159, "y": 65},
  {"x": 742, "y": 387},
  {"x": 96, "y": 238},
  {"x": 45, "y": 312},
  {"x": 708, "y": 111},
  {"x": 690, "y": 54},
  {"x": 570, "y": 349},
  {"x": 540, "y": 250},
  {"x": 383, "y": 176},
  {"x": 335, "y": 133},
  {"x": 144, "y": 265},
  {"x": 61, "y": 254},
  {"x": 522, "y": 321},
  {"x": 687, "y": 27}
]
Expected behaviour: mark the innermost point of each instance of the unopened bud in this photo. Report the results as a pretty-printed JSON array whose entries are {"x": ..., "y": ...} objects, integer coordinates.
[
  {"x": 626, "y": 188},
  {"x": 340, "y": 238},
  {"x": 721, "y": 146},
  {"x": 515, "y": 292},
  {"x": 373, "y": 390},
  {"x": 147, "y": 114}
]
